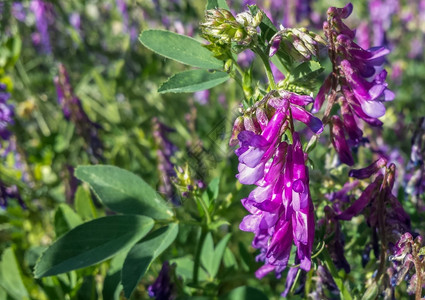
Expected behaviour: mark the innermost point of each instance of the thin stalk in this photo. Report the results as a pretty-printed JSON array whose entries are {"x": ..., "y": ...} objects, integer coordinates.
[
  {"x": 267, "y": 67},
  {"x": 197, "y": 263},
  {"x": 418, "y": 269}
]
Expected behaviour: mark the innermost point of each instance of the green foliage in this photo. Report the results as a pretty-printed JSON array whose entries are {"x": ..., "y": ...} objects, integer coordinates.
[
  {"x": 245, "y": 293},
  {"x": 124, "y": 192},
  {"x": 211, "y": 257},
  {"x": 10, "y": 277},
  {"x": 65, "y": 219},
  {"x": 211, "y": 4},
  {"x": 91, "y": 243},
  {"x": 193, "y": 81},
  {"x": 143, "y": 254},
  {"x": 181, "y": 48}
]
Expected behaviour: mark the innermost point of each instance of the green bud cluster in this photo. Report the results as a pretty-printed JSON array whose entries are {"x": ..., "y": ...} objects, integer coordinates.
[
  {"x": 222, "y": 27},
  {"x": 299, "y": 43}
]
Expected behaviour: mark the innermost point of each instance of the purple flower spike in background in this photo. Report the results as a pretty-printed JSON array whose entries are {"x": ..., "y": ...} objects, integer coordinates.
[
  {"x": 163, "y": 288},
  {"x": 43, "y": 12},
  {"x": 6, "y": 113},
  {"x": 74, "y": 112}
]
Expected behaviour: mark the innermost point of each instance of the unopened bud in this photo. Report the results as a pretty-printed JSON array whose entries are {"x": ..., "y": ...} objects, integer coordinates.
[{"x": 238, "y": 127}]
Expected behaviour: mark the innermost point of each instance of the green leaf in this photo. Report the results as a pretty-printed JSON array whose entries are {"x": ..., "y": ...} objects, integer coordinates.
[
  {"x": 245, "y": 293},
  {"x": 123, "y": 191},
  {"x": 211, "y": 4},
  {"x": 84, "y": 204},
  {"x": 91, "y": 243},
  {"x": 181, "y": 48},
  {"x": 193, "y": 81},
  {"x": 111, "y": 285},
  {"x": 185, "y": 268},
  {"x": 10, "y": 277},
  {"x": 210, "y": 257},
  {"x": 143, "y": 254},
  {"x": 211, "y": 193},
  {"x": 218, "y": 254},
  {"x": 65, "y": 219},
  {"x": 207, "y": 254},
  {"x": 305, "y": 72}
]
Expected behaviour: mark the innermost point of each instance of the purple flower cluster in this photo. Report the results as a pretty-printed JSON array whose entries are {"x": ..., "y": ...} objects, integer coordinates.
[
  {"x": 6, "y": 113},
  {"x": 357, "y": 83},
  {"x": 377, "y": 202},
  {"x": 280, "y": 207},
  {"x": 73, "y": 111}
]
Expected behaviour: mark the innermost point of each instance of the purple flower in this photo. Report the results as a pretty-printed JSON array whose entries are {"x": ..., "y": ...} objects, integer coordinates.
[
  {"x": 357, "y": 83},
  {"x": 6, "y": 113},
  {"x": 165, "y": 151},
  {"x": 163, "y": 288},
  {"x": 202, "y": 97},
  {"x": 19, "y": 12},
  {"x": 43, "y": 13},
  {"x": 281, "y": 210},
  {"x": 339, "y": 142},
  {"x": 9, "y": 192}
]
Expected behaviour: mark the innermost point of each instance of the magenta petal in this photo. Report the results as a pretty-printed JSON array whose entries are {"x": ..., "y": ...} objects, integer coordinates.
[
  {"x": 264, "y": 270},
  {"x": 275, "y": 44},
  {"x": 252, "y": 157},
  {"x": 298, "y": 186},
  {"x": 249, "y": 138},
  {"x": 249, "y": 175},
  {"x": 373, "y": 109},
  {"x": 250, "y": 223},
  {"x": 321, "y": 95},
  {"x": 369, "y": 170},
  {"x": 339, "y": 142},
  {"x": 365, "y": 198},
  {"x": 300, "y": 232},
  {"x": 300, "y": 114}
]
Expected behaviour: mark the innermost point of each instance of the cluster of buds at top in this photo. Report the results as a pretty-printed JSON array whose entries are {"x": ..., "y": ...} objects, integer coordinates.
[
  {"x": 185, "y": 183},
  {"x": 408, "y": 252},
  {"x": 299, "y": 43},
  {"x": 222, "y": 27}
]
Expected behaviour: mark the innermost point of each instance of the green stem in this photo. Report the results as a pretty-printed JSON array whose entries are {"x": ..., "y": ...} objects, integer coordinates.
[
  {"x": 197, "y": 263},
  {"x": 343, "y": 292},
  {"x": 267, "y": 67},
  {"x": 204, "y": 208}
]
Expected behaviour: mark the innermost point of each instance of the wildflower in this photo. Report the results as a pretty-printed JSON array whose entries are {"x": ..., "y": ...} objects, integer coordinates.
[
  {"x": 357, "y": 83},
  {"x": 6, "y": 113},
  {"x": 163, "y": 288},
  {"x": 280, "y": 207},
  {"x": 165, "y": 151},
  {"x": 9, "y": 192}
]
